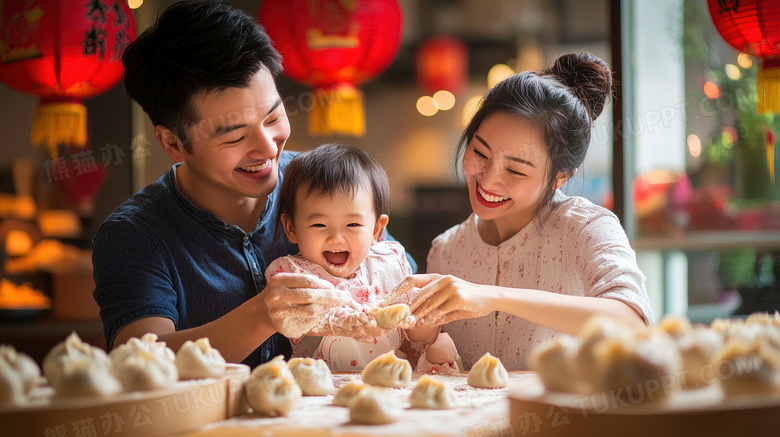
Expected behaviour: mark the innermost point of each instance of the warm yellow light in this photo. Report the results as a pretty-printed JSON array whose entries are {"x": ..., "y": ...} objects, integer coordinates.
[
  {"x": 694, "y": 145},
  {"x": 732, "y": 71},
  {"x": 469, "y": 109},
  {"x": 498, "y": 73},
  {"x": 744, "y": 61},
  {"x": 426, "y": 106},
  {"x": 711, "y": 90},
  {"x": 444, "y": 100},
  {"x": 135, "y": 4},
  {"x": 18, "y": 242}
]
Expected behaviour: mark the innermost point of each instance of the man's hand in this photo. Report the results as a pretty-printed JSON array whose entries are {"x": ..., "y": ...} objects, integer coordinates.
[{"x": 296, "y": 303}]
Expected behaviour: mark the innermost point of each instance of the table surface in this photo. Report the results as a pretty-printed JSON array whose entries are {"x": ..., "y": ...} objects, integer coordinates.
[{"x": 481, "y": 412}]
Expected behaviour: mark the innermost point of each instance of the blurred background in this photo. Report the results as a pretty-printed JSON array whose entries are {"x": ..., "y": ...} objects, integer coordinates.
[{"x": 682, "y": 155}]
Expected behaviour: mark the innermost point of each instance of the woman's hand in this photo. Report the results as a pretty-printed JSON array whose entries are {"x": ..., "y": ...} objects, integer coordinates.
[{"x": 443, "y": 299}]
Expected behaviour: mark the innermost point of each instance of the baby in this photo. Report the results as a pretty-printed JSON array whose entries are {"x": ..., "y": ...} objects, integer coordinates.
[{"x": 333, "y": 203}]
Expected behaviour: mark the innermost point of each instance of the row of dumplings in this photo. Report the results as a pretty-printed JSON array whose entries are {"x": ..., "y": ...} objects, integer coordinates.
[
  {"x": 736, "y": 356},
  {"x": 74, "y": 368},
  {"x": 274, "y": 388}
]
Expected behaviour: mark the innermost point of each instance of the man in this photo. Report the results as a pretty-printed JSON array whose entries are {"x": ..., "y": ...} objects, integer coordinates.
[{"x": 184, "y": 257}]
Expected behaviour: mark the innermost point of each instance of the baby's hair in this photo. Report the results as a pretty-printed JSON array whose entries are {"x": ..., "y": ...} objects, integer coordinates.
[
  {"x": 333, "y": 168},
  {"x": 563, "y": 101}
]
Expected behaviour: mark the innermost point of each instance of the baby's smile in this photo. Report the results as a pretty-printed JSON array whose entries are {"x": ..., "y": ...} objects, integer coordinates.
[{"x": 336, "y": 258}]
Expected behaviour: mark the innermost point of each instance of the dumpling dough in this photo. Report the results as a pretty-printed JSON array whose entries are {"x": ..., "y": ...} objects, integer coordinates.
[
  {"x": 313, "y": 376},
  {"x": 25, "y": 366},
  {"x": 146, "y": 370},
  {"x": 86, "y": 378},
  {"x": 11, "y": 385},
  {"x": 390, "y": 317},
  {"x": 596, "y": 329},
  {"x": 698, "y": 348},
  {"x": 271, "y": 390},
  {"x": 347, "y": 392},
  {"x": 748, "y": 367},
  {"x": 198, "y": 359},
  {"x": 554, "y": 362},
  {"x": 70, "y": 350},
  {"x": 488, "y": 372},
  {"x": 374, "y": 406},
  {"x": 432, "y": 393},
  {"x": 387, "y": 370}
]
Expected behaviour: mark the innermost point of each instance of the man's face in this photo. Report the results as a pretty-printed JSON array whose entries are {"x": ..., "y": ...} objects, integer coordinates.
[{"x": 237, "y": 141}]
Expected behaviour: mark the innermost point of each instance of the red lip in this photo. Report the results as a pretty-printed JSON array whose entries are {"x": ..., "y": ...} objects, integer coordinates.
[{"x": 484, "y": 202}]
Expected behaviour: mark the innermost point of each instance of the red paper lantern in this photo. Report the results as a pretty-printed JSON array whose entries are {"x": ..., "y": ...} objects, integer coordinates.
[
  {"x": 63, "y": 51},
  {"x": 753, "y": 27},
  {"x": 333, "y": 46},
  {"x": 442, "y": 64}
]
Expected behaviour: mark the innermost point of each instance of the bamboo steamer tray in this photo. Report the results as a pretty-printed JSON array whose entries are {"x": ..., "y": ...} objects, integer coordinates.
[
  {"x": 183, "y": 407},
  {"x": 704, "y": 411}
]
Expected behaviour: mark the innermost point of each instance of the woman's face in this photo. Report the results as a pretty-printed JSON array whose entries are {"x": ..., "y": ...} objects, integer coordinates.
[{"x": 506, "y": 166}]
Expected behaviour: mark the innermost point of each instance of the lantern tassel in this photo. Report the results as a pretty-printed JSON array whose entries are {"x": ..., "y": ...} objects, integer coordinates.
[
  {"x": 59, "y": 123},
  {"x": 338, "y": 110},
  {"x": 768, "y": 86},
  {"x": 770, "y": 156}
]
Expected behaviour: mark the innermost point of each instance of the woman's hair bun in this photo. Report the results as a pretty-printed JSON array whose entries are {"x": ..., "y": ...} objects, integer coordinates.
[{"x": 588, "y": 76}]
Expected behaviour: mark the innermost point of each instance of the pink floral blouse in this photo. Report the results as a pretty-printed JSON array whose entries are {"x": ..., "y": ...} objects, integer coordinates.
[{"x": 580, "y": 249}]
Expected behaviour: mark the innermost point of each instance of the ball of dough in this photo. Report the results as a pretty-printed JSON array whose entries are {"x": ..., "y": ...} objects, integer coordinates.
[
  {"x": 86, "y": 378},
  {"x": 390, "y": 317},
  {"x": 313, "y": 376},
  {"x": 146, "y": 370},
  {"x": 72, "y": 349},
  {"x": 555, "y": 363},
  {"x": 347, "y": 392},
  {"x": 271, "y": 390},
  {"x": 387, "y": 370},
  {"x": 488, "y": 372},
  {"x": 11, "y": 385},
  {"x": 198, "y": 359},
  {"x": 374, "y": 406},
  {"x": 432, "y": 394},
  {"x": 25, "y": 366}
]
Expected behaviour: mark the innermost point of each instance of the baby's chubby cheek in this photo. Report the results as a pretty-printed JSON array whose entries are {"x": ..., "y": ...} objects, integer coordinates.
[{"x": 442, "y": 350}]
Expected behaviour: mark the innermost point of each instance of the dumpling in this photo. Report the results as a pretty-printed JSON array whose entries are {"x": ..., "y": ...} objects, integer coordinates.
[
  {"x": 374, "y": 406},
  {"x": 675, "y": 325},
  {"x": 85, "y": 377},
  {"x": 69, "y": 350},
  {"x": 25, "y": 366},
  {"x": 271, "y": 390},
  {"x": 555, "y": 363},
  {"x": 148, "y": 342},
  {"x": 387, "y": 370},
  {"x": 432, "y": 393},
  {"x": 313, "y": 376},
  {"x": 747, "y": 367},
  {"x": 11, "y": 385},
  {"x": 347, "y": 392},
  {"x": 698, "y": 349},
  {"x": 488, "y": 372},
  {"x": 146, "y": 370},
  {"x": 390, "y": 317},
  {"x": 198, "y": 359},
  {"x": 596, "y": 329},
  {"x": 637, "y": 370}
]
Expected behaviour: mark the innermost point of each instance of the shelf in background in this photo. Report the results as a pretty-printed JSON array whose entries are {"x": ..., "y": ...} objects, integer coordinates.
[{"x": 709, "y": 240}]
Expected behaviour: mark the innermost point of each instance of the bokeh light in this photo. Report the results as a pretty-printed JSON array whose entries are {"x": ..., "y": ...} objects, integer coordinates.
[
  {"x": 711, "y": 90},
  {"x": 426, "y": 106},
  {"x": 694, "y": 145},
  {"x": 444, "y": 100},
  {"x": 498, "y": 73}
]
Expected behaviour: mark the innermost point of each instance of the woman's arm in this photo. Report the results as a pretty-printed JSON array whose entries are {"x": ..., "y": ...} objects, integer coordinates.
[{"x": 447, "y": 298}]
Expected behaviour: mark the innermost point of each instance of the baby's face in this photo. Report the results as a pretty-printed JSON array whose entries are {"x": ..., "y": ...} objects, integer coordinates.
[{"x": 335, "y": 231}]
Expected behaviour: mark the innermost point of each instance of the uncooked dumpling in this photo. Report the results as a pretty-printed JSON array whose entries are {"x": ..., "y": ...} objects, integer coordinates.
[
  {"x": 596, "y": 329},
  {"x": 146, "y": 370},
  {"x": 488, "y": 372},
  {"x": 347, "y": 392},
  {"x": 11, "y": 385},
  {"x": 387, "y": 370},
  {"x": 72, "y": 349},
  {"x": 748, "y": 367},
  {"x": 198, "y": 359},
  {"x": 271, "y": 390},
  {"x": 698, "y": 349},
  {"x": 86, "y": 378},
  {"x": 433, "y": 394},
  {"x": 148, "y": 342},
  {"x": 390, "y": 317},
  {"x": 374, "y": 406},
  {"x": 313, "y": 376},
  {"x": 25, "y": 366},
  {"x": 555, "y": 363}
]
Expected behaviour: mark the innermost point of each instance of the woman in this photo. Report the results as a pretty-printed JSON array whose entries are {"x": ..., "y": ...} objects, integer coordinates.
[{"x": 530, "y": 261}]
